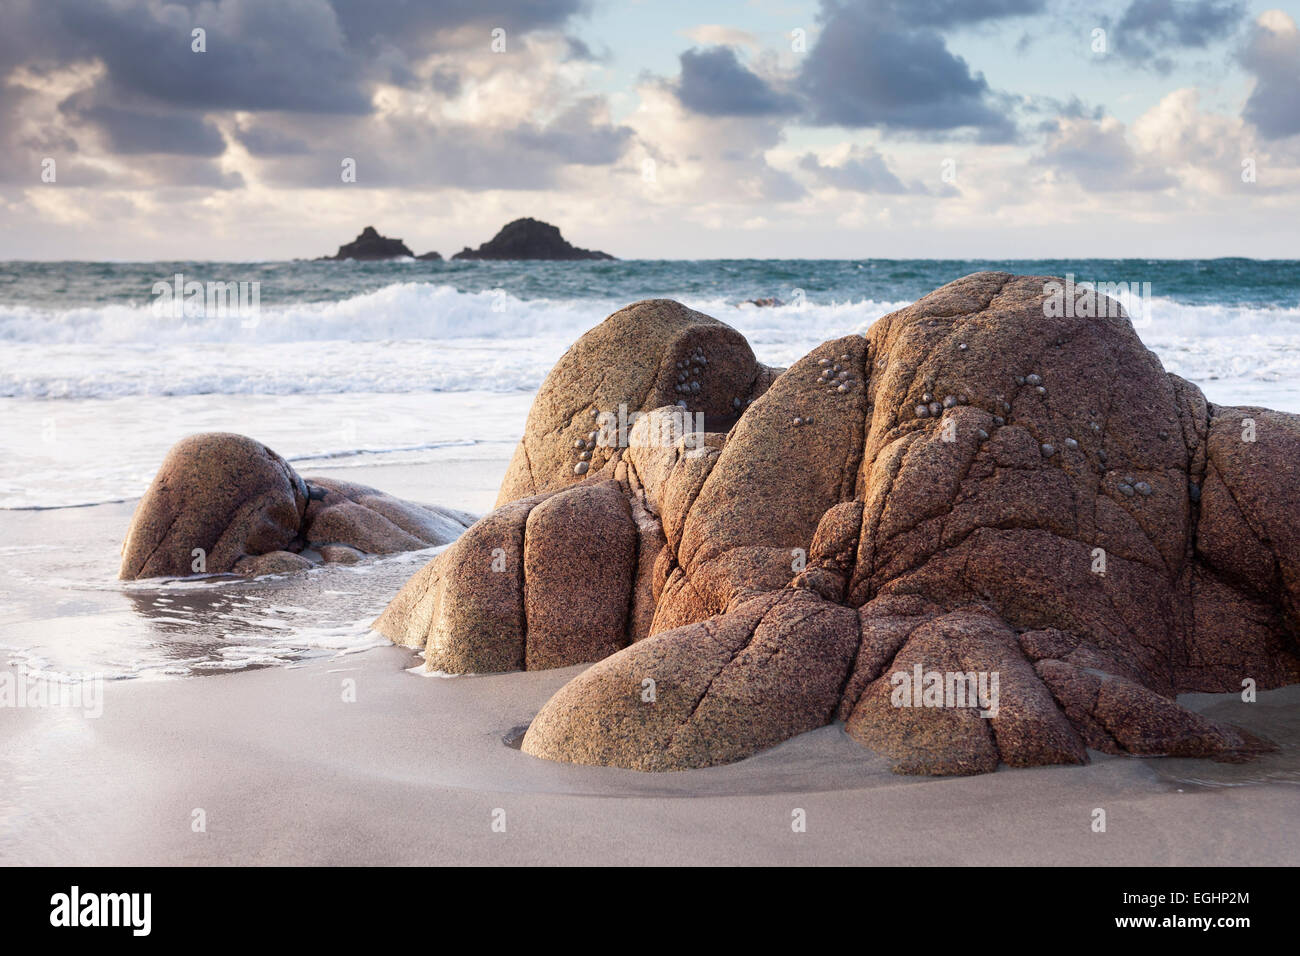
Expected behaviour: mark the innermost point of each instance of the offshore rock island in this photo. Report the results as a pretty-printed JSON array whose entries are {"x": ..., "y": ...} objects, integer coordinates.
[{"x": 529, "y": 239}]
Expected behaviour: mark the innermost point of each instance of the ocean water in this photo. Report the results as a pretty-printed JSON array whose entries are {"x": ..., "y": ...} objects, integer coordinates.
[
  {"x": 357, "y": 362},
  {"x": 360, "y": 366}
]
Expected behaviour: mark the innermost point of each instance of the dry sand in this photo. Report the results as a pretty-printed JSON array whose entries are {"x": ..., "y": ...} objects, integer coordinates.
[{"x": 416, "y": 770}]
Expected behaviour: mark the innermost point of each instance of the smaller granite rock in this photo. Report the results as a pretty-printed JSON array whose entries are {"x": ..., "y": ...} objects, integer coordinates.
[{"x": 225, "y": 503}]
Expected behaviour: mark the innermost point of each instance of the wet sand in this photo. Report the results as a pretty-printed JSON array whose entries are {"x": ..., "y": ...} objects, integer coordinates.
[
  {"x": 417, "y": 769},
  {"x": 286, "y": 769}
]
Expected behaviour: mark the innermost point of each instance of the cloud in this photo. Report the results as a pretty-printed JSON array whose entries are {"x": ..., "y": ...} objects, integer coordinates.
[
  {"x": 713, "y": 82},
  {"x": 131, "y": 131},
  {"x": 581, "y": 135},
  {"x": 863, "y": 170},
  {"x": 713, "y": 34},
  {"x": 267, "y": 140},
  {"x": 947, "y": 13},
  {"x": 703, "y": 161},
  {"x": 1148, "y": 31},
  {"x": 1272, "y": 54},
  {"x": 272, "y": 55},
  {"x": 873, "y": 66},
  {"x": 301, "y": 84},
  {"x": 1098, "y": 156},
  {"x": 404, "y": 148}
]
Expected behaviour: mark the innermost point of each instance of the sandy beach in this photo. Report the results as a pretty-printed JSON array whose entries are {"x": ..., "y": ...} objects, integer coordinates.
[
  {"x": 415, "y": 769},
  {"x": 842, "y": 432}
]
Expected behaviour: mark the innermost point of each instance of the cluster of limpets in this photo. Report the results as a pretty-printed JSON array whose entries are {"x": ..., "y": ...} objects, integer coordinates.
[
  {"x": 1128, "y": 488},
  {"x": 689, "y": 370},
  {"x": 584, "y": 447},
  {"x": 931, "y": 407},
  {"x": 1034, "y": 380},
  {"x": 836, "y": 376}
]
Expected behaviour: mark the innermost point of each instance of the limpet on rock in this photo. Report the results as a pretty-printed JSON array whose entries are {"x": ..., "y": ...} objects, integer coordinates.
[{"x": 581, "y": 468}]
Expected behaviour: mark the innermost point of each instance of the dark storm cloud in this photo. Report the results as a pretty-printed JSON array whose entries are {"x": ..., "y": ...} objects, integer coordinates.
[
  {"x": 1149, "y": 32},
  {"x": 714, "y": 82},
  {"x": 275, "y": 54},
  {"x": 880, "y": 65},
  {"x": 291, "y": 60},
  {"x": 410, "y": 24},
  {"x": 266, "y": 140},
  {"x": 1274, "y": 59},
  {"x": 130, "y": 131}
]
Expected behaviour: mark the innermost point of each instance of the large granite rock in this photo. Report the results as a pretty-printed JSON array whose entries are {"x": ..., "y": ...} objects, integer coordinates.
[
  {"x": 976, "y": 489},
  {"x": 529, "y": 239},
  {"x": 226, "y": 503}
]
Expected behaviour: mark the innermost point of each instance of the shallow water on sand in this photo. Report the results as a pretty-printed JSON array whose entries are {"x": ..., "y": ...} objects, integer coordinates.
[
  {"x": 1274, "y": 716},
  {"x": 64, "y": 613}
]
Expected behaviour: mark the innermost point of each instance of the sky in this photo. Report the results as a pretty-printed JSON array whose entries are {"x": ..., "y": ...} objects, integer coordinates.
[{"x": 277, "y": 129}]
